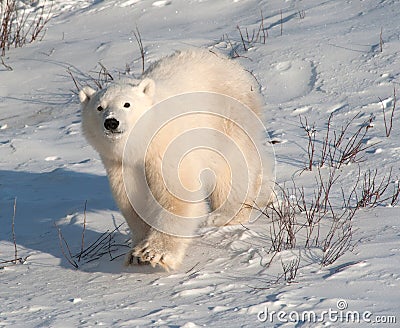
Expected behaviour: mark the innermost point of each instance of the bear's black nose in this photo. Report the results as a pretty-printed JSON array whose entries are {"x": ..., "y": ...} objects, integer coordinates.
[{"x": 111, "y": 124}]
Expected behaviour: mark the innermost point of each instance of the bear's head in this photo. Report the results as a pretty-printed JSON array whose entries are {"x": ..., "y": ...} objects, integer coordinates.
[{"x": 109, "y": 114}]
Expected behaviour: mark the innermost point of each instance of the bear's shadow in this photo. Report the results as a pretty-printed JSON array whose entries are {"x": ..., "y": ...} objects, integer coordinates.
[{"x": 47, "y": 202}]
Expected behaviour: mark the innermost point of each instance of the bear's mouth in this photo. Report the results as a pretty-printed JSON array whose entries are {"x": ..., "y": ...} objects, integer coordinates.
[{"x": 114, "y": 134}]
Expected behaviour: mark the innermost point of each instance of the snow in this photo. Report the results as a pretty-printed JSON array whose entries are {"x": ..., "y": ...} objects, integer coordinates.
[{"x": 328, "y": 61}]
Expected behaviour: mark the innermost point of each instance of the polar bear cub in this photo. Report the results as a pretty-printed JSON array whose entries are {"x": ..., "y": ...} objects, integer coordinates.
[{"x": 110, "y": 114}]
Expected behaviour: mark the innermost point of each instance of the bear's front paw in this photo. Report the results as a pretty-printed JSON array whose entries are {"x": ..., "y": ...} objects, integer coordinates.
[
  {"x": 161, "y": 250},
  {"x": 131, "y": 259},
  {"x": 146, "y": 253}
]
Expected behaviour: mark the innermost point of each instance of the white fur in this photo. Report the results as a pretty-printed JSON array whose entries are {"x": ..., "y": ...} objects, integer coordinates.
[{"x": 182, "y": 72}]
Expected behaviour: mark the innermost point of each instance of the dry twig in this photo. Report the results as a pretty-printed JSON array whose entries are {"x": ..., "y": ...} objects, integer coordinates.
[
  {"x": 290, "y": 269},
  {"x": 83, "y": 231},
  {"x": 13, "y": 230},
  {"x": 389, "y": 125},
  {"x": 18, "y": 27},
  {"x": 17, "y": 259},
  {"x": 63, "y": 242},
  {"x": 138, "y": 38},
  {"x": 8, "y": 67}
]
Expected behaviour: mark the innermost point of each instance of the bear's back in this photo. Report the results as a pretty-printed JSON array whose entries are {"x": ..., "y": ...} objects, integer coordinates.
[{"x": 203, "y": 70}]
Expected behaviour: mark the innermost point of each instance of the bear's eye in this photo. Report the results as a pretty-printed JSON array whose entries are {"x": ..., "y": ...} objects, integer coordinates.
[
  {"x": 100, "y": 108},
  {"x": 127, "y": 105}
]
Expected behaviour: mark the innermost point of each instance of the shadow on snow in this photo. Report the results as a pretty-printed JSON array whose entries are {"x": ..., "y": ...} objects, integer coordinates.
[{"x": 59, "y": 196}]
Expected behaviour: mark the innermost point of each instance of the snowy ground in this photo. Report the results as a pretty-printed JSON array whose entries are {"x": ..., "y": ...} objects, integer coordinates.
[{"x": 328, "y": 59}]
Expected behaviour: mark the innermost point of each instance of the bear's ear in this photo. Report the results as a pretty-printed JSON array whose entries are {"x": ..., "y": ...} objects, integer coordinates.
[
  {"x": 85, "y": 94},
  {"x": 148, "y": 87}
]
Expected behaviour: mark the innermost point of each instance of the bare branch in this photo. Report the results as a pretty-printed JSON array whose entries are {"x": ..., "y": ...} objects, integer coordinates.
[
  {"x": 311, "y": 132},
  {"x": 18, "y": 27},
  {"x": 388, "y": 126},
  {"x": 13, "y": 231},
  {"x": 63, "y": 242},
  {"x": 138, "y": 38},
  {"x": 8, "y": 67},
  {"x": 83, "y": 232},
  {"x": 241, "y": 37},
  {"x": 77, "y": 85},
  {"x": 290, "y": 269}
]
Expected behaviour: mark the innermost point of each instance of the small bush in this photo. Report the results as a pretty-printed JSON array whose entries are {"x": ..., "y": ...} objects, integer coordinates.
[{"x": 19, "y": 25}]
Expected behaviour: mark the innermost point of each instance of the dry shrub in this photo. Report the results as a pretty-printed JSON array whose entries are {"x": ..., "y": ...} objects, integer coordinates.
[{"x": 20, "y": 26}]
